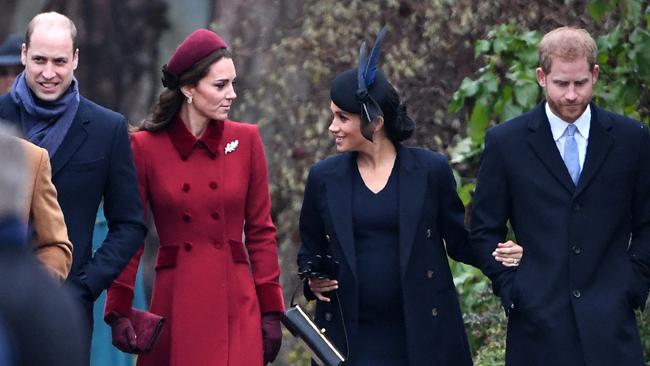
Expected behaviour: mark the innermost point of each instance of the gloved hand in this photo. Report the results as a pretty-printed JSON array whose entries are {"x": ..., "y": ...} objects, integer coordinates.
[
  {"x": 271, "y": 336},
  {"x": 124, "y": 337}
]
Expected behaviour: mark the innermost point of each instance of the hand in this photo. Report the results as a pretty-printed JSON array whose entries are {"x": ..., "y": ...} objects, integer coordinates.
[
  {"x": 124, "y": 337},
  {"x": 508, "y": 253},
  {"x": 320, "y": 285},
  {"x": 271, "y": 336}
]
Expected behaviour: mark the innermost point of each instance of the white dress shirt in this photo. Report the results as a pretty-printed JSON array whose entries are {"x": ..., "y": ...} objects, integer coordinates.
[{"x": 558, "y": 126}]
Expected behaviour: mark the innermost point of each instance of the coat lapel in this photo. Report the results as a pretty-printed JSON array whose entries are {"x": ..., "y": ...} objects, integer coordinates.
[
  {"x": 600, "y": 142},
  {"x": 71, "y": 142},
  {"x": 412, "y": 185},
  {"x": 76, "y": 135},
  {"x": 541, "y": 141},
  {"x": 339, "y": 201}
]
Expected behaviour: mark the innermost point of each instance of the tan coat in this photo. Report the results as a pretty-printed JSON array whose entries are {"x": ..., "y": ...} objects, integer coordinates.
[{"x": 51, "y": 243}]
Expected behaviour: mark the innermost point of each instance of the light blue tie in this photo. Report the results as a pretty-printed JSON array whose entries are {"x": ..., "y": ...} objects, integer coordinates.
[{"x": 571, "y": 157}]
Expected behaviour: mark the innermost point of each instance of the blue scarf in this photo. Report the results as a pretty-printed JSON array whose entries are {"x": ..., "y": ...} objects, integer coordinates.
[{"x": 45, "y": 123}]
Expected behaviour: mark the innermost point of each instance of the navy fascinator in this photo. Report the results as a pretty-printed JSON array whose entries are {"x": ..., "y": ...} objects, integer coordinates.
[{"x": 363, "y": 89}]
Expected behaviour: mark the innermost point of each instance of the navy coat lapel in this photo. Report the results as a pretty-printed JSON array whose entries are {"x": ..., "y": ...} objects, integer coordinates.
[
  {"x": 76, "y": 135},
  {"x": 541, "y": 141},
  {"x": 412, "y": 185},
  {"x": 339, "y": 201},
  {"x": 71, "y": 142},
  {"x": 600, "y": 142}
]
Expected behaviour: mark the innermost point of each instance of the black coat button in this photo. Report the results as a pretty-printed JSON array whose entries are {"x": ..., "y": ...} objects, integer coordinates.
[
  {"x": 576, "y": 294},
  {"x": 576, "y": 249}
]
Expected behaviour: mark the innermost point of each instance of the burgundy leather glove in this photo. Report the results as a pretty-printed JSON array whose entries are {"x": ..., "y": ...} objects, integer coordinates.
[
  {"x": 271, "y": 336},
  {"x": 124, "y": 335}
]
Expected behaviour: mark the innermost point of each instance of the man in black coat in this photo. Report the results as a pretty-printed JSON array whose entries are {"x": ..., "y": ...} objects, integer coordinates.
[
  {"x": 89, "y": 151},
  {"x": 573, "y": 180}
]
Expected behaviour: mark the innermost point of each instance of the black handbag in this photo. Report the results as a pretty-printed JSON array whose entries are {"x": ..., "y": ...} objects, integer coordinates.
[{"x": 323, "y": 351}]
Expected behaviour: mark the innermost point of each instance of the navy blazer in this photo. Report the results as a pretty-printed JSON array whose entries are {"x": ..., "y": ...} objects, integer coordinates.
[
  {"x": 586, "y": 248},
  {"x": 93, "y": 163},
  {"x": 430, "y": 216}
]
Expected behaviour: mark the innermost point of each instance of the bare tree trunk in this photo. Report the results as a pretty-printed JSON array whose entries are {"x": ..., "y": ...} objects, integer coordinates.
[{"x": 118, "y": 50}]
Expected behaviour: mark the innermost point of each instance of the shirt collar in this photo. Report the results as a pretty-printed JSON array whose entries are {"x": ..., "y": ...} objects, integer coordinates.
[
  {"x": 185, "y": 142},
  {"x": 558, "y": 125}
]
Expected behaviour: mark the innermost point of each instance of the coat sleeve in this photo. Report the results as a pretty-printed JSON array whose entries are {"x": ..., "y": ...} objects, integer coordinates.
[
  {"x": 312, "y": 231},
  {"x": 489, "y": 219},
  {"x": 260, "y": 232},
  {"x": 119, "y": 297},
  {"x": 123, "y": 210},
  {"x": 451, "y": 216},
  {"x": 52, "y": 246},
  {"x": 640, "y": 244}
]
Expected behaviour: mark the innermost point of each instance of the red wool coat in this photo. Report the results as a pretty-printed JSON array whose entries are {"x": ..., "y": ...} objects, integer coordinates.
[{"x": 205, "y": 196}]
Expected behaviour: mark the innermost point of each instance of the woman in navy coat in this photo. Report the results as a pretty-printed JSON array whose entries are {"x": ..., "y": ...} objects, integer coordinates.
[{"x": 389, "y": 215}]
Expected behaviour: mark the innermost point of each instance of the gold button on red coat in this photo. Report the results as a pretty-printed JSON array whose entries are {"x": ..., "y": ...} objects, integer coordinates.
[
  {"x": 187, "y": 217},
  {"x": 215, "y": 215},
  {"x": 213, "y": 185}
]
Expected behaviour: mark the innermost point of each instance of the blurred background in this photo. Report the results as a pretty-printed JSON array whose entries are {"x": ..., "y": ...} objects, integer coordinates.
[{"x": 460, "y": 65}]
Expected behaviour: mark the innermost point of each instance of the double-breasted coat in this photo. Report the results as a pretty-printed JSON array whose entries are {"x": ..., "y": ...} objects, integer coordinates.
[
  {"x": 431, "y": 225},
  {"x": 217, "y": 265},
  {"x": 571, "y": 301}
]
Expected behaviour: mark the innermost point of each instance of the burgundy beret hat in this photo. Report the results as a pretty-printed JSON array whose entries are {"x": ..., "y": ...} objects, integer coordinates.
[{"x": 198, "y": 45}]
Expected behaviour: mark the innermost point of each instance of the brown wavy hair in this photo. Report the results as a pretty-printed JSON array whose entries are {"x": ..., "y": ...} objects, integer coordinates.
[
  {"x": 567, "y": 43},
  {"x": 170, "y": 100}
]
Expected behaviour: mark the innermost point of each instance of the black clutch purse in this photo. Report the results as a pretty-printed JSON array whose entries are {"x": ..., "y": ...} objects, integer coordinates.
[
  {"x": 300, "y": 325},
  {"x": 322, "y": 349}
]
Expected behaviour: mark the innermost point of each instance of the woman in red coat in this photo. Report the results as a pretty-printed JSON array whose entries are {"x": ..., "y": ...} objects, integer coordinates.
[{"x": 205, "y": 179}]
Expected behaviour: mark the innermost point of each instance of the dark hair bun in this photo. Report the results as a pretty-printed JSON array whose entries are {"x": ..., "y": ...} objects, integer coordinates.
[{"x": 403, "y": 126}]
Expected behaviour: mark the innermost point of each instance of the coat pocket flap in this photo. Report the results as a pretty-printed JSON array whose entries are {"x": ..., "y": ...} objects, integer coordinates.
[
  {"x": 238, "y": 252},
  {"x": 167, "y": 256}
]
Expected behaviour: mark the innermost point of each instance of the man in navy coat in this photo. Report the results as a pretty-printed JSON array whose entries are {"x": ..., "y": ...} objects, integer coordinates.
[
  {"x": 90, "y": 155},
  {"x": 578, "y": 200}
]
